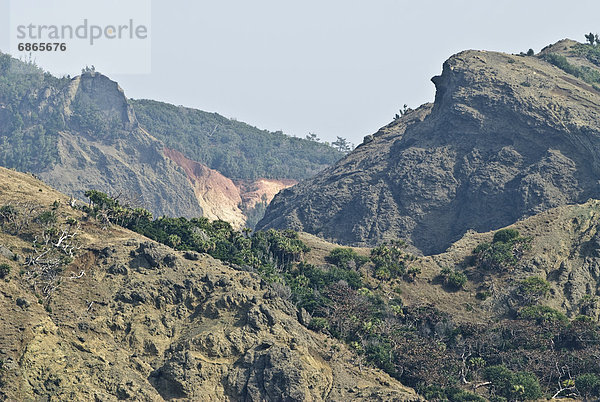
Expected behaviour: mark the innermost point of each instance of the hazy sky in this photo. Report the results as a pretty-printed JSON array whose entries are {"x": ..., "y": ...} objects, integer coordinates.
[{"x": 331, "y": 67}]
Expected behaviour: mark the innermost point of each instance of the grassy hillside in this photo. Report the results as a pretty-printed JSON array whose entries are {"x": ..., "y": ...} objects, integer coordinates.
[
  {"x": 506, "y": 315},
  {"x": 92, "y": 311},
  {"x": 236, "y": 149}
]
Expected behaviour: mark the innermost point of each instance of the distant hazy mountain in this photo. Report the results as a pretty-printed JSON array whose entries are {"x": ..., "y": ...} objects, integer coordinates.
[{"x": 81, "y": 133}]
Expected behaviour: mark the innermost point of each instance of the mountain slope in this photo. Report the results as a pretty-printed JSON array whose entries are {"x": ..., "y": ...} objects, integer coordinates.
[
  {"x": 523, "y": 300},
  {"x": 173, "y": 325},
  {"x": 121, "y": 158},
  {"x": 127, "y": 318},
  {"x": 236, "y": 149},
  {"x": 507, "y": 137}
]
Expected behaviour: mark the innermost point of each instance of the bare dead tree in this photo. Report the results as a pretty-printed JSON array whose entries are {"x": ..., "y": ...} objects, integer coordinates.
[
  {"x": 464, "y": 370},
  {"x": 16, "y": 217},
  {"x": 66, "y": 241},
  {"x": 46, "y": 262},
  {"x": 566, "y": 383}
]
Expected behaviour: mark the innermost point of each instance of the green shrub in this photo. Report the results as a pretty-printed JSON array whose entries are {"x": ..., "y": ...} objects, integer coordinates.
[
  {"x": 588, "y": 385},
  {"x": 380, "y": 353},
  {"x": 483, "y": 295},
  {"x": 503, "y": 253},
  {"x": 513, "y": 386},
  {"x": 345, "y": 258},
  {"x": 4, "y": 270},
  {"x": 432, "y": 392},
  {"x": 533, "y": 289},
  {"x": 173, "y": 240},
  {"x": 390, "y": 260},
  {"x": 100, "y": 199},
  {"x": 477, "y": 363},
  {"x": 496, "y": 255},
  {"x": 542, "y": 314},
  {"x": 505, "y": 235},
  {"x": 321, "y": 278},
  {"x": 583, "y": 318},
  {"x": 452, "y": 394},
  {"x": 318, "y": 324},
  {"x": 46, "y": 218},
  {"x": 412, "y": 273},
  {"x": 456, "y": 394},
  {"x": 454, "y": 279}
]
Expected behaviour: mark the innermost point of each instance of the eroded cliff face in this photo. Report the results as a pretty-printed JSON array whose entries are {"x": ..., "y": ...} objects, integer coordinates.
[
  {"x": 220, "y": 197},
  {"x": 217, "y": 195},
  {"x": 261, "y": 190},
  {"x": 506, "y": 137}
]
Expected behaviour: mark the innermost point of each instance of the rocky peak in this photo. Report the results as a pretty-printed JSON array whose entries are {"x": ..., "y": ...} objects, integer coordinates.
[
  {"x": 507, "y": 137},
  {"x": 563, "y": 46},
  {"x": 97, "y": 91}
]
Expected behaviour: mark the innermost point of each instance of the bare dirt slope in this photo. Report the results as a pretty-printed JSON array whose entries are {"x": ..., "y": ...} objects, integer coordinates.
[{"x": 222, "y": 198}]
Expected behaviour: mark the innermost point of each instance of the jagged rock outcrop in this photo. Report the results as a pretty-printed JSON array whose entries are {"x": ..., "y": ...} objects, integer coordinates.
[
  {"x": 97, "y": 90},
  {"x": 507, "y": 137}
]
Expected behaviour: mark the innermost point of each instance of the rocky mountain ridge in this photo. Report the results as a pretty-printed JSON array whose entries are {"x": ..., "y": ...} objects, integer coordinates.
[
  {"x": 507, "y": 137},
  {"x": 123, "y": 160}
]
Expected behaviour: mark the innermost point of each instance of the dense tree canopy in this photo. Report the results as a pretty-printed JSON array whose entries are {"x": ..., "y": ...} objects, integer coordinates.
[
  {"x": 236, "y": 149},
  {"x": 27, "y": 132}
]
